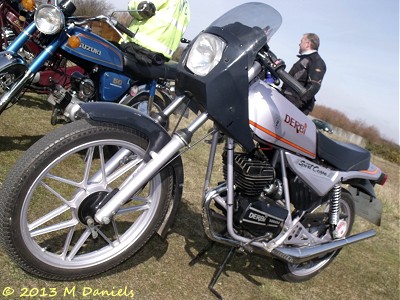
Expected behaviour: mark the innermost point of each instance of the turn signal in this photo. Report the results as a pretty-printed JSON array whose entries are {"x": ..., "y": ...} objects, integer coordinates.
[
  {"x": 28, "y": 4},
  {"x": 74, "y": 41}
]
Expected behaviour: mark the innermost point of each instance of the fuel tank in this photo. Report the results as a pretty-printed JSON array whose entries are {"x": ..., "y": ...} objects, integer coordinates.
[
  {"x": 95, "y": 49},
  {"x": 275, "y": 120}
]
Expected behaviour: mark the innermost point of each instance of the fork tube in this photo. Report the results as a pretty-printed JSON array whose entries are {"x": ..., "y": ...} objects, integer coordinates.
[
  {"x": 33, "y": 68},
  {"x": 210, "y": 165},
  {"x": 22, "y": 38},
  {"x": 151, "y": 96},
  {"x": 174, "y": 105},
  {"x": 134, "y": 183}
]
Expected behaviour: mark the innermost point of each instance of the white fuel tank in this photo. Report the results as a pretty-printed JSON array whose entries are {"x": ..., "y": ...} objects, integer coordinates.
[{"x": 275, "y": 120}]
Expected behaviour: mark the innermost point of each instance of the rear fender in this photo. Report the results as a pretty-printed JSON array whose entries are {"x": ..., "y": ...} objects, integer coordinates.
[{"x": 158, "y": 138}]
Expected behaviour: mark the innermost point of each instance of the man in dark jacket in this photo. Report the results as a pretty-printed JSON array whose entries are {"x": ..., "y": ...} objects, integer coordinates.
[{"x": 309, "y": 71}]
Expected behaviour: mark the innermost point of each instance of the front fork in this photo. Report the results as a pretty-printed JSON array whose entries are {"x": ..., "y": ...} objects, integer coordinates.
[
  {"x": 180, "y": 139},
  {"x": 38, "y": 63}
]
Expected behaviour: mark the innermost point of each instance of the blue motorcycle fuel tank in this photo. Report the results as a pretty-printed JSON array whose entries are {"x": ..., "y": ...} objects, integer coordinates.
[{"x": 95, "y": 49}]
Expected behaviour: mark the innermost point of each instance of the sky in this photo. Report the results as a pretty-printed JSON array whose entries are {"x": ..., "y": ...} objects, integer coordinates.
[{"x": 359, "y": 44}]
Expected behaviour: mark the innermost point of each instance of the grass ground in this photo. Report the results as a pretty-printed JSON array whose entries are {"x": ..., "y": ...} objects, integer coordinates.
[{"x": 367, "y": 270}]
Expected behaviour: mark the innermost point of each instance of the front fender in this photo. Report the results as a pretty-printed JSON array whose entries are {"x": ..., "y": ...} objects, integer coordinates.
[
  {"x": 129, "y": 117},
  {"x": 11, "y": 60},
  {"x": 158, "y": 138},
  {"x": 11, "y": 63}
]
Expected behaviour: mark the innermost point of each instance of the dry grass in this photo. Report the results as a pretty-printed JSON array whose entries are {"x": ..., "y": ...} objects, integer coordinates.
[{"x": 367, "y": 270}]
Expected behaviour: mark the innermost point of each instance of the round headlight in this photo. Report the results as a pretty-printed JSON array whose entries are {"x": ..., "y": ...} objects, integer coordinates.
[{"x": 49, "y": 19}]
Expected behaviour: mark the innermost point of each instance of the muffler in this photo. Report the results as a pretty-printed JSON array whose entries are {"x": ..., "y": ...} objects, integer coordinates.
[{"x": 298, "y": 255}]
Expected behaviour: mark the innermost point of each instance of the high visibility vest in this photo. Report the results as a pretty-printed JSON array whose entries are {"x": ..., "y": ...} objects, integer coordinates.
[{"x": 162, "y": 32}]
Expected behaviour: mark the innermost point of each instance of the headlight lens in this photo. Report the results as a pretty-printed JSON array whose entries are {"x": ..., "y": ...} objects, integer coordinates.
[
  {"x": 205, "y": 54},
  {"x": 49, "y": 19}
]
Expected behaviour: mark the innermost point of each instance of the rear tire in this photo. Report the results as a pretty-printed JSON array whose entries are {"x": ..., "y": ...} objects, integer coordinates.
[
  {"x": 46, "y": 202},
  {"x": 307, "y": 270}
]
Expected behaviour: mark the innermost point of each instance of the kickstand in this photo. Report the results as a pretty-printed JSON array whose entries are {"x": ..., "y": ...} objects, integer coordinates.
[{"x": 219, "y": 271}]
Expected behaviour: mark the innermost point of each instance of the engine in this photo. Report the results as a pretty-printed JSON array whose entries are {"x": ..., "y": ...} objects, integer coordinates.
[
  {"x": 66, "y": 102},
  {"x": 256, "y": 193}
]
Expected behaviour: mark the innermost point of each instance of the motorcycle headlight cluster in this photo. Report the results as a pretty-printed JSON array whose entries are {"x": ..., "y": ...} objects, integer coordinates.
[
  {"x": 205, "y": 54},
  {"x": 49, "y": 19}
]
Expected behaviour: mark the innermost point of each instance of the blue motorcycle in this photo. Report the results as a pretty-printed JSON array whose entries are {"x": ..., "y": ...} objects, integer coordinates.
[{"x": 106, "y": 73}]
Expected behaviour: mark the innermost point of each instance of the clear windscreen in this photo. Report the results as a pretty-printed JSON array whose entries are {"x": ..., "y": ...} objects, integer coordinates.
[{"x": 253, "y": 14}]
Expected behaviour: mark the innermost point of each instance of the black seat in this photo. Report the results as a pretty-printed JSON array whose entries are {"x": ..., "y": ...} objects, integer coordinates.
[
  {"x": 136, "y": 70},
  {"x": 343, "y": 156}
]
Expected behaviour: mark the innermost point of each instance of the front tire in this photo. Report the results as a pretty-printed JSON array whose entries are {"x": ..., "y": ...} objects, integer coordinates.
[
  {"x": 52, "y": 192},
  {"x": 307, "y": 270},
  {"x": 141, "y": 103}
]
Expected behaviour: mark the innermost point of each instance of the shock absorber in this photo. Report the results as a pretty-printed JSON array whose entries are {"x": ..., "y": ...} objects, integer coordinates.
[{"x": 334, "y": 208}]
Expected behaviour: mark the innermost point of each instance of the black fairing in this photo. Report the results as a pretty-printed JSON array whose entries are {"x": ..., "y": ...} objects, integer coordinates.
[{"x": 223, "y": 93}]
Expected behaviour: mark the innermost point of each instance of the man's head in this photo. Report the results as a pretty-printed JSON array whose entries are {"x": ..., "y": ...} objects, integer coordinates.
[{"x": 309, "y": 41}]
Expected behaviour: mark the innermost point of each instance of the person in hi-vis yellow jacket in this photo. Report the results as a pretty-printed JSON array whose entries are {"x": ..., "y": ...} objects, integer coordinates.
[{"x": 159, "y": 28}]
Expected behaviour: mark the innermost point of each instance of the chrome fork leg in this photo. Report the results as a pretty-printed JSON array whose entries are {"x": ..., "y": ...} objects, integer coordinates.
[{"x": 147, "y": 171}]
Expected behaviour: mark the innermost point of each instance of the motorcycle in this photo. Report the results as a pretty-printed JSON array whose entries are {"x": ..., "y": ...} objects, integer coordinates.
[
  {"x": 102, "y": 72},
  {"x": 69, "y": 210},
  {"x": 13, "y": 20}
]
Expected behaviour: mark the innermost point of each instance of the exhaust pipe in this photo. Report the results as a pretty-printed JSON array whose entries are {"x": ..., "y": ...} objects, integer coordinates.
[{"x": 298, "y": 255}]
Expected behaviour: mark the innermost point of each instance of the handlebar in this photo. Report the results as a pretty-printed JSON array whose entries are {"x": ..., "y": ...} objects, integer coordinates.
[
  {"x": 118, "y": 27},
  {"x": 269, "y": 59},
  {"x": 122, "y": 28}
]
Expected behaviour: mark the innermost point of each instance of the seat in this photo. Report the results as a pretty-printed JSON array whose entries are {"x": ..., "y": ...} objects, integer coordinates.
[{"x": 343, "y": 156}]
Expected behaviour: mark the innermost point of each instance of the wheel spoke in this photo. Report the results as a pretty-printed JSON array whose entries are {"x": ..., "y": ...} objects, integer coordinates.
[
  {"x": 68, "y": 242},
  {"x": 108, "y": 241},
  {"x": 79, "y": 244},
  {"x": 64, "y": 180},
  {"x": 126, "y": 210},
  {"x": 115, "y": 228},
  {"x": 49, "y": 216},
  {"x": 102, "y": 167},
  {"x": 55, "y": 227},
  {"x": 121, "y": 171},
  {"x": 56, "y": 194},
  {"x": 88, "y": 160}
]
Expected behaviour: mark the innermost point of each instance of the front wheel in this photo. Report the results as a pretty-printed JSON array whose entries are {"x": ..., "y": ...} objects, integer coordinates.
[
  {"x": 305, "y": 271},
  {"x": 141, "y": 103},
  {"x": 8, "y": 78},
  {"x": 49, "y": 199}
]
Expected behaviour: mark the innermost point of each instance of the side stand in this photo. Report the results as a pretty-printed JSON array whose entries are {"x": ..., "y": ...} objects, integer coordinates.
[{"x": 218, "y": 272}]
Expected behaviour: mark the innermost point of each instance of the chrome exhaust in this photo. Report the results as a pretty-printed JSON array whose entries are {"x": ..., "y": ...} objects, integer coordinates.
[{"x": 299, "y": 255}]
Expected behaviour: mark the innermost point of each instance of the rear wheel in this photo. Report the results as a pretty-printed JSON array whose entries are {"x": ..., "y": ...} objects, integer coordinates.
[
  {"x": 305, "y": 271},
  {"x": 49, "y": 200}
]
